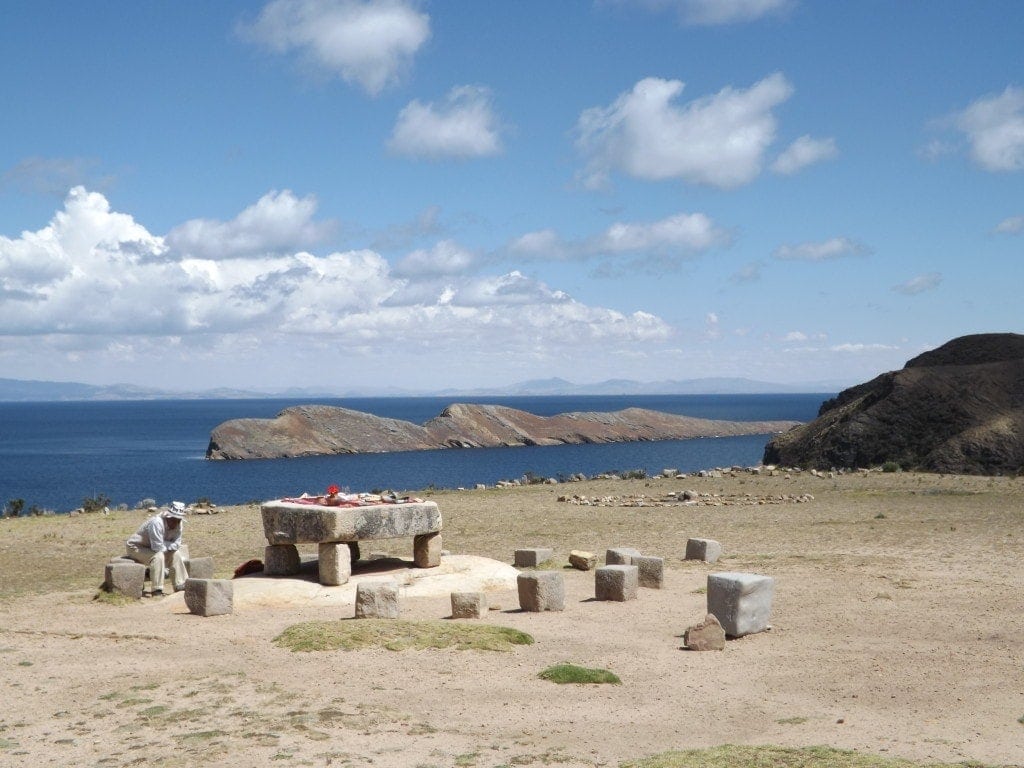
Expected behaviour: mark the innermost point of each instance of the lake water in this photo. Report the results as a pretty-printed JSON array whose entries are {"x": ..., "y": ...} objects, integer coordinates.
[{"x": 55, "y": 454}]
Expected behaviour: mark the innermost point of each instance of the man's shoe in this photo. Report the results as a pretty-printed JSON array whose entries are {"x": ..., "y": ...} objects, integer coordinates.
[{"x": 157, "y": 593}]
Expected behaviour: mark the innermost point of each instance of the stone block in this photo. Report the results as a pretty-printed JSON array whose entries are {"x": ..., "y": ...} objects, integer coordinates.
[
  {"x": 616, "y": 582},
  {"x": 532, "y": 556},
  {"x": 742, "y": 602},
  {"x": 621, "y": 556},
  {"x": 541, "y": 591},
  {"x": 377, "y": 600},
  {"x": 281, "y": 560},
  {"x": 426, "y": 550},
  {"x": 334, "y": 563},
  {"x": 200, "y": 568},
  {"x": 209, "y": 597},
  {"x": 650, "y": 571},
  {"x": 582, "y": 561},
  {"x": 706, "y": 636},
  {"x": 124, "y": 578},
  {"x": 469, "y": 605},
  {"x": 707, "y": 550}
]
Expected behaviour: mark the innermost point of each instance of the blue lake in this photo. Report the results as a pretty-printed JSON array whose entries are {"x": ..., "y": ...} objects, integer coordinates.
[{"x": 55, "y": 454}]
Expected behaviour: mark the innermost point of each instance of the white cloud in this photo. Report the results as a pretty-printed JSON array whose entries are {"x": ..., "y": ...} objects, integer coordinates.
[
  {"x": 715, "y": 12},
  {"x": 1010, "y": 226},
  {"x": 919, "y": 284},
  {"x": 462, "y": 126},
  {"x": 994, "y": 126},
  {"x": 95, "y": 288},
  {"x": 826, "y": 250},
  {"x": 667, "y": 240},
  {"x": 544, "y": 243},
  {"x": 445, "y": 258},
  {"x": 712, "y": 326},
  {"x": 367, "y": 42},
  {"x": 803, "y": 152},
  {"x": 279, "y": 222},
  {"x": 683, "y": 232},
  {"x": 717, "y": 140},
  {"x": 795, "y": 336},
  {"x": 859, "y": 348}
]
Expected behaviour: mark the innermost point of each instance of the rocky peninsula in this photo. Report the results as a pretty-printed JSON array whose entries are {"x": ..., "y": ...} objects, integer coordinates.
[{"x": 311, "y": 430}]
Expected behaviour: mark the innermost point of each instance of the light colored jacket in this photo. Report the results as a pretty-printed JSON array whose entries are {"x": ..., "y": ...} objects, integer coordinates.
[{"x": 153, "y": 534}]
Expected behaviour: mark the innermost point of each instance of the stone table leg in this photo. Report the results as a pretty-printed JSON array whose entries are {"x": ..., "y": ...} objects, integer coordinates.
[
  {"x": 281, "y": 560},
  {"x": 335, "y": 562},
  {"x": 426, "y": 552}
]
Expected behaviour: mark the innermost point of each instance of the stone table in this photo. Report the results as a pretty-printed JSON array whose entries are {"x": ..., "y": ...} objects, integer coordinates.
[{"x": 339, "y": 529}]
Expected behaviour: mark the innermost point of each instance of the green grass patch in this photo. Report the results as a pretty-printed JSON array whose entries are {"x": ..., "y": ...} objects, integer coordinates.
[
  {"x": 113, "y": 598},
  {"x": 792, "y": 721},
  {"x": 201, "y": 736},
  {"x": 397, "y": 635},
  {"x": 570, "y": 673},
  {"x": 730, "y": 756}
]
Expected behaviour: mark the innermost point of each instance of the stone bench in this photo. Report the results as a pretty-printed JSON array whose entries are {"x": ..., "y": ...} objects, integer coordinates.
[{"x": 337, "y": 531}]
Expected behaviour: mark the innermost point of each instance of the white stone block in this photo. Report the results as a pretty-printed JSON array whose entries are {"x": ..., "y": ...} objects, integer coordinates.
[{"x": 742, "y": 602}]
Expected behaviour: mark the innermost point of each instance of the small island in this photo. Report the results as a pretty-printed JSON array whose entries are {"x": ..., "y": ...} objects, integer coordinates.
[{"x": 315, "y": 430}]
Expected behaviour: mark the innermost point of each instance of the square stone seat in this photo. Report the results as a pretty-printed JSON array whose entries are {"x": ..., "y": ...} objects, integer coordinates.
[{"x": 287, "y": 523}]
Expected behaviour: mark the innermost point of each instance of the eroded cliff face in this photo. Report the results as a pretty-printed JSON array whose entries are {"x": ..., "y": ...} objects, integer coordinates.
[
  {"x": 957, "y": 409},
  {"x": 318, "y": 429}
]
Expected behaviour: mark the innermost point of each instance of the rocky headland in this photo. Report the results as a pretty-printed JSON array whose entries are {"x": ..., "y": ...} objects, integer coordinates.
[
  {"x": 956, "y": 409},
  {"x": 309, "y": 430}
]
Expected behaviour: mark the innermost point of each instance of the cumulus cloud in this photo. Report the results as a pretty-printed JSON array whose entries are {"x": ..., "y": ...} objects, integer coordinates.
[
  {"x": 94, "y": 284},
  {"x": 683, "y": 232},
  {"x": 826, "y": 250},
  {"x": 279, "y": 222},
  {"x": 1010, "y": 226},
  {"x": 716, "y": 12},
  {"x": 463, "y": 125},
  {"x": 370, "y": 43},
  {"x": 445, "y": 258},
  {"x": 919, "y": 284},
  {"x": 803, "y": 152},
  {"x": 717, "y": 140},
  {"x": 650, "y": 245},
  {"x": 994, "y": 127}
]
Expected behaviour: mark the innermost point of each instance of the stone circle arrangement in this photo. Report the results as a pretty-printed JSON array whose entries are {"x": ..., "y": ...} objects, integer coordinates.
[{"x": 738, "y": 604}]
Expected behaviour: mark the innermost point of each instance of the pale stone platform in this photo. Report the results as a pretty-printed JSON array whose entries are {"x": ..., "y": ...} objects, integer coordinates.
[
  {"x": 457, "y": 573},
  {"x": 287, "y": 523}
]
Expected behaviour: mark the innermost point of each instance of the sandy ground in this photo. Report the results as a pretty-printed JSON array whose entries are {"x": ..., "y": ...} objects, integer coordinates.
[{"x": 898, "y": 629}]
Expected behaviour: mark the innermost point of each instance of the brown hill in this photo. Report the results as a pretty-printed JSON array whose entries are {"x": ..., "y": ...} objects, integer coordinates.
[
  {"x": 308, "y": 430},
  {"x": 956, "y": 409}
]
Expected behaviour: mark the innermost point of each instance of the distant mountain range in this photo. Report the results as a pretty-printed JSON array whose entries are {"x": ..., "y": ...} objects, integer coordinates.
[{"x": 16, "y": 390}]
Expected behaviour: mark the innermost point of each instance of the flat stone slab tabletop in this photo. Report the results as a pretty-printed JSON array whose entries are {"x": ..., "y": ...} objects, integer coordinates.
[{"x": 288, "y": 522}]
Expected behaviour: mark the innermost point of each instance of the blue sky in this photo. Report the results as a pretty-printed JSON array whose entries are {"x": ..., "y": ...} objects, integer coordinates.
[{"x": 462, "y": 194}]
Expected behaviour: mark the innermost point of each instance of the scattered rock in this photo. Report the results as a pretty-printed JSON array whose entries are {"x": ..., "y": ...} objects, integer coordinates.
[{"x": 708, "y": 635}]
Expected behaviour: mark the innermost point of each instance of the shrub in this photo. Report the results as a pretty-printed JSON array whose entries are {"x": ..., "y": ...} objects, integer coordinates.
[
  {"x": 14, "y": 508},
  {"x": 891, "y": 466},
  {"x": 95, "y": 503}
]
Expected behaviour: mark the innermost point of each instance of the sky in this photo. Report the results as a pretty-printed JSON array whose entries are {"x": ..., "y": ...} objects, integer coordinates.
[{"x": 422, "y": 195}]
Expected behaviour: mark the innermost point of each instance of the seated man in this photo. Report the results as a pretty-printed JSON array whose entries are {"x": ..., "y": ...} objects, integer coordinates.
[{"x": 157, "y": 545}]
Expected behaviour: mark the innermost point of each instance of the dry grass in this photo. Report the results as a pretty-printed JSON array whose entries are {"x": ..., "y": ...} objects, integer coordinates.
[
  {"x": 729, "y": 756},
  {"x": 924, "y": 511}
]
